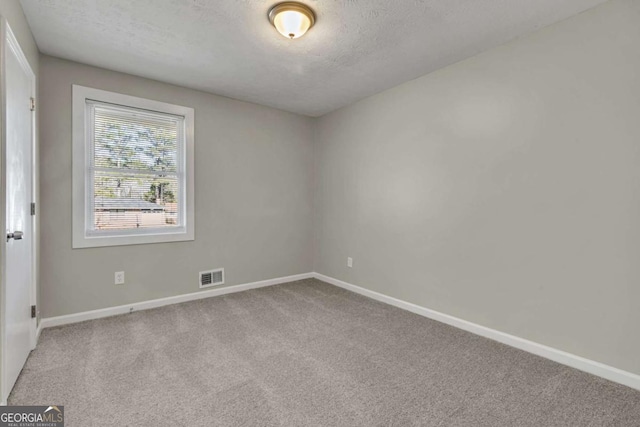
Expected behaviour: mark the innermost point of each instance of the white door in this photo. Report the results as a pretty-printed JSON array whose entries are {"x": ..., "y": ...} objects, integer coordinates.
[{"x": 18, "y": 277}]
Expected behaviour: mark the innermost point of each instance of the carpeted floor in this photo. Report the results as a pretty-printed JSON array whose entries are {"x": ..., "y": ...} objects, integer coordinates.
[{"x": 304, "y": 354}]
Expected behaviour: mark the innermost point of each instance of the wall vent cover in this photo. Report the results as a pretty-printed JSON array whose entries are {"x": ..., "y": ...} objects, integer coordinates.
[{"x": 211, "y": 278}]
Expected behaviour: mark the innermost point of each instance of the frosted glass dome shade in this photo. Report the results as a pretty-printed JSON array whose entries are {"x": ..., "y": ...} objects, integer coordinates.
[{"x": 291, "y": 19}]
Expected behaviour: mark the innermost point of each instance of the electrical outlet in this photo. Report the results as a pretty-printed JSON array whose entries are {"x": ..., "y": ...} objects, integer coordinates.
[
  {"x": 119, "y": 278},
  {"x": 349, "y": 262}
]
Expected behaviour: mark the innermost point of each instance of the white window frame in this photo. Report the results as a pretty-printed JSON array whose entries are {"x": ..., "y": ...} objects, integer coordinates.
[{"x": 82, "y": 135}]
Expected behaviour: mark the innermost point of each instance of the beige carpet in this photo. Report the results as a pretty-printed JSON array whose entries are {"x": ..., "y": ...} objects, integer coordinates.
[{"x": 304, "y": 354}]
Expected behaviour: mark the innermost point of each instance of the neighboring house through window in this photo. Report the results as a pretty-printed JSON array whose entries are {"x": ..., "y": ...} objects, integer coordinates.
[{"x": 132, "y": 170}]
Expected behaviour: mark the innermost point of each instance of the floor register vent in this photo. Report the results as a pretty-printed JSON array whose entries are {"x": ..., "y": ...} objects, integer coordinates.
[{"x": 211, "y": 278}]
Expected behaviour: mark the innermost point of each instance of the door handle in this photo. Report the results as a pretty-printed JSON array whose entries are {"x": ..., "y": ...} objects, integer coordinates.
[{"x": 16, "y": 235}]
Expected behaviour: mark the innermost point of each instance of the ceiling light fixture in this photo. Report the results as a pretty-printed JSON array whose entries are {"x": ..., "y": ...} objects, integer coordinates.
[{"x": 292, "y": 19}]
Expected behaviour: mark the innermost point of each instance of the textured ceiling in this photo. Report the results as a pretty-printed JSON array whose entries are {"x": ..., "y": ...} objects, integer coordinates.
[{"x": 228, "y": 47}]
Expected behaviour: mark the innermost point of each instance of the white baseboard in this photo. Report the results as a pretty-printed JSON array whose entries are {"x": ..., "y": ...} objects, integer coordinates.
[
  {"x": 596, "y": 368},
  {"x": 49, "y": 322}
]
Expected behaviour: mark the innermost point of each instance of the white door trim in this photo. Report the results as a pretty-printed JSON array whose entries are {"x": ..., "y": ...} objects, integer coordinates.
[{"x": 9, "y": 41}]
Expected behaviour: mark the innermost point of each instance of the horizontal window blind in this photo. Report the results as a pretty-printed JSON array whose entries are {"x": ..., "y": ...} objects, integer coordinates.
[{"x": 135, "y": 169}]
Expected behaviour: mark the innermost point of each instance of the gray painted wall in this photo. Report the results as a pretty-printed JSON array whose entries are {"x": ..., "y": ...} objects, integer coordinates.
[
  {"x": 253, "y": 198},
  {"x": 501, "y": 190},
  {"x": 504, "y": 190}
]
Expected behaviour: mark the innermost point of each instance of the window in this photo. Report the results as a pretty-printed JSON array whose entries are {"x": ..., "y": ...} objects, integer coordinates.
[{"x": 132, "y": 170}]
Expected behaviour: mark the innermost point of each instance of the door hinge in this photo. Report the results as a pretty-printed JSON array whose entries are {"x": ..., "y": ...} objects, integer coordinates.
[
  {"x": 33, "y": 311},
  {"x": 33, "y": 104},
  {"x": 33, "y": 208}
]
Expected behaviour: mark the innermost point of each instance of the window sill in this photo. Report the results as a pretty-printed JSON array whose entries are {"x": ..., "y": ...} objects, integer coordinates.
[{"x": 97, "y": 241}]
